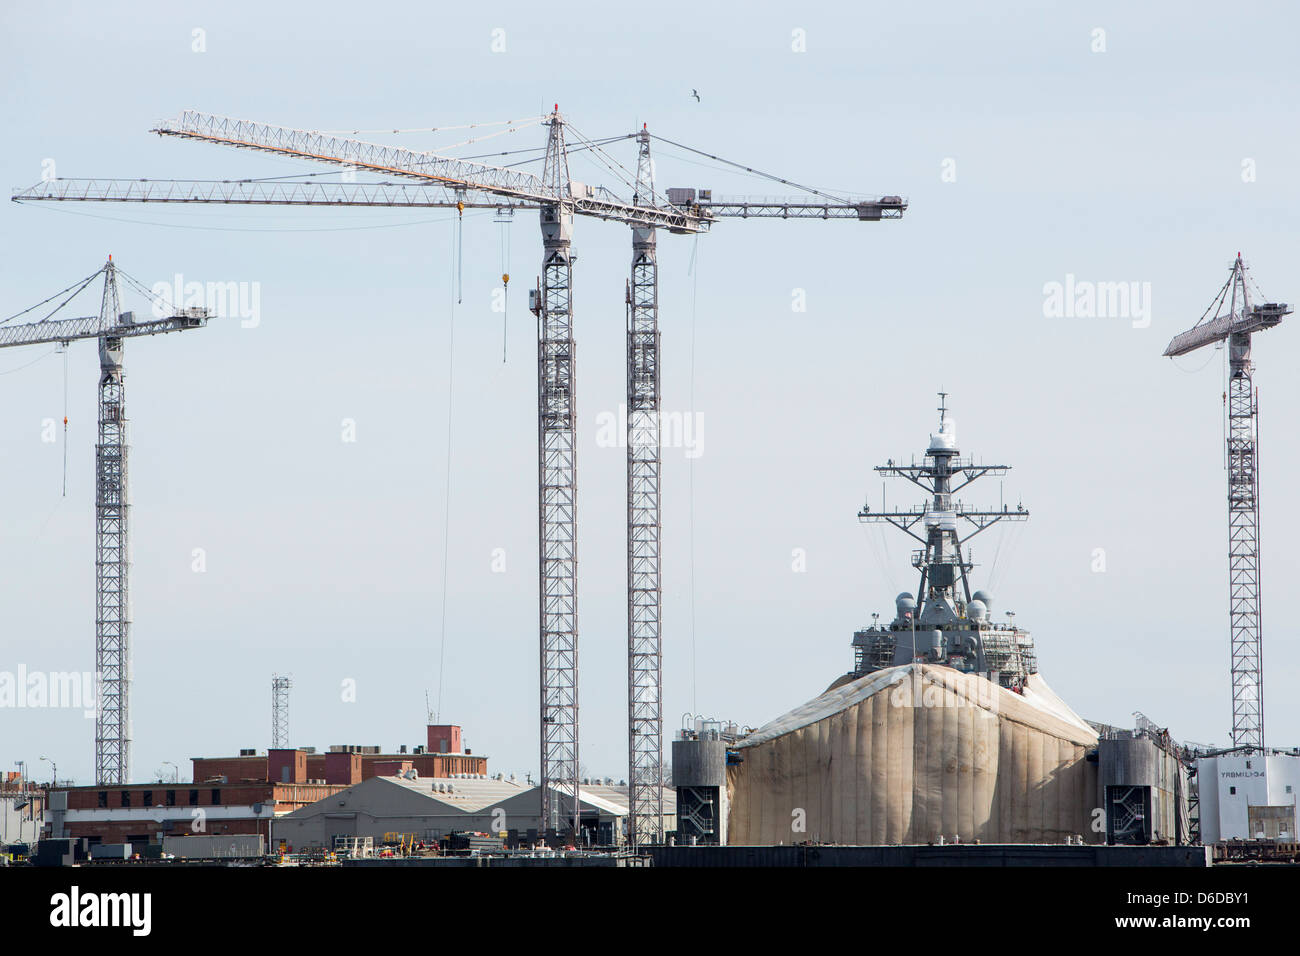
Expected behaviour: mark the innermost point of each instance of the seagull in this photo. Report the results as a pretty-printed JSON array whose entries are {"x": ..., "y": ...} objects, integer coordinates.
[{"x": 696, "y": 95}]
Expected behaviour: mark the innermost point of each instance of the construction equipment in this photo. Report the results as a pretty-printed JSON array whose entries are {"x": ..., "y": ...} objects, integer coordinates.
[
  {"x": 112, "y": 503},
  {"x": 1236, "y": 325},
  {"x": 441, "y": 181}
]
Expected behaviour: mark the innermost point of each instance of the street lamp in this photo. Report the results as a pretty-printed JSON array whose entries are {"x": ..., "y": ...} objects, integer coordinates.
[
  {"x": 54, "y": 768},
  {"x": 176, "y": 772}
]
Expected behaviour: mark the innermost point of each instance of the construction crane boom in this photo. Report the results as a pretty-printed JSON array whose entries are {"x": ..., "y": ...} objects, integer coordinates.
[
  {"x": 787, "y": 207},
  {"x": 426, "y": 166},
  {"x": 93, "y": 327},
  {"x": 1246, "y": 640},
  {"x": 252, "y": 192},
  {"x": 255, "y": 192}
]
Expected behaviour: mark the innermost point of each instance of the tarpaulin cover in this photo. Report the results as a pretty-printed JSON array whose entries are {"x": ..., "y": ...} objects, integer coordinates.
[{"x": 914, "y": 753}]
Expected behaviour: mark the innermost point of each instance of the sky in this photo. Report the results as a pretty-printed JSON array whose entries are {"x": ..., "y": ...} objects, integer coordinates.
[{"x": 339, "y": 484}]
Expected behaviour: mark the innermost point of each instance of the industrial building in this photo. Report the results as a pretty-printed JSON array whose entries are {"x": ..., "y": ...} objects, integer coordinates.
[
  {"x": 243, "y": 794},
  {"x": 1248, "y": 795},
  {"x": 22, "y": 810},
  {"x": 429, "y": 809},
  {"x": 345, "y": 764},
  {"x": 145, "y": 813},
  {"x": 1145, "y": 791}
]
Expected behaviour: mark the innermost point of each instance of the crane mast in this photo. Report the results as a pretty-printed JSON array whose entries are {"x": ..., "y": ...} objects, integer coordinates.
[
  {"x": 112, "y": 505},
  {"x": 644, "y": 586},
  {"x": 1242, "y": 440},
  {"x": 557, "y": 497},
  {"x": 1243, "y": 547},
  {"x": 112, "y": 560}
]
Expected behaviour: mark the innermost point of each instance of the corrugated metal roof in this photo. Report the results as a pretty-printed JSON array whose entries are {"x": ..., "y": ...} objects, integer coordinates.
[
  {"x": 470, "y": 795},
  {"x": 467, "y": 795}
]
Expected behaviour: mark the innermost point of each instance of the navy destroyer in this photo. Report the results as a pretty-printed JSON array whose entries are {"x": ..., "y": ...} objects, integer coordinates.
[{"x": 949, "y": 624}]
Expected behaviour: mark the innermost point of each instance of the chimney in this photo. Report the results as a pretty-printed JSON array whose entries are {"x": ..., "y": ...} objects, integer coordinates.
[{"x": 444, "y": 739}]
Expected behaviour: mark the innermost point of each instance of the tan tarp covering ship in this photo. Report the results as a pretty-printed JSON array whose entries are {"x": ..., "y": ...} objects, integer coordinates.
[{"x": 914, "y": 753}]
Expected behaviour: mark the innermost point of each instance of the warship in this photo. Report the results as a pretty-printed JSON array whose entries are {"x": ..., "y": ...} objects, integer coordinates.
[{"x": 947, "y": 624}]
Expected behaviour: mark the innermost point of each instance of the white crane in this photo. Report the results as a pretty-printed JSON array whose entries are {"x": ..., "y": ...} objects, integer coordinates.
[
  {"x": 112, "y": 501},
  {"x": 427, "y": 179},
  {"x": 1236, "y": 325}
]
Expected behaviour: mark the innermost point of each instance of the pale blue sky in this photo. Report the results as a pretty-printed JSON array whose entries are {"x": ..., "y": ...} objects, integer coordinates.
[{"x": 325, "y": 558}]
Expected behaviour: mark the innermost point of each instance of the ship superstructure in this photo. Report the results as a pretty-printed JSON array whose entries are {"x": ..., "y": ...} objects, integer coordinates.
[{"x": 947, "y": 624}]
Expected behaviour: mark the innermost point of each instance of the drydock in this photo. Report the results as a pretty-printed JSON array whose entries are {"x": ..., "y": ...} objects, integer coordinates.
[{"x": 944, "y": 733}]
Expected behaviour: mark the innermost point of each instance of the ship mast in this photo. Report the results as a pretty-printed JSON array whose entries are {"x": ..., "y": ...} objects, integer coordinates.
[{"x": 949, "y": 617}]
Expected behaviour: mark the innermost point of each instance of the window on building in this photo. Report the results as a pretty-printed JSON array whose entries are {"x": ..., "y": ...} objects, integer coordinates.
[
  {"x": 1232, "y": 790},
  {"x": 1288, "y": 788},
  {"x": 171, "y": 798},
  {"x": 194, "y": 798},
  {"x": 126, "y": 798},
  {"x": 216, "y": 797},
  {"x": 101, "y": 798},
  {"x": 148, "y": 798}
]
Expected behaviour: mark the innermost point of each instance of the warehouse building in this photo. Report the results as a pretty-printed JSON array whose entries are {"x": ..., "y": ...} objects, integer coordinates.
[
  {"x": 428, "y": 809},
  {"x": 1249, "y": 795}
]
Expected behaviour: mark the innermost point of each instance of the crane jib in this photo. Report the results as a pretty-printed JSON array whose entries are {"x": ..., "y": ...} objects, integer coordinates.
[{"x": 604, "y": 209}]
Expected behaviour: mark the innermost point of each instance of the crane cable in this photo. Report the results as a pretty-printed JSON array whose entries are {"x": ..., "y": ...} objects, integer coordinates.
[
  {"x": 446, "y": 511},
  {"x": 460, "y": 249},
  {"x": 153, "y": 297},
  {"x": 65, "y": 419},
  {"x": 436, "y": 129},
  {"x": 505, "y": 220},
  {"x": 690, "y": 467},
  {"x": 750, "y": 169},
  {"x": 79, "y": 285}
]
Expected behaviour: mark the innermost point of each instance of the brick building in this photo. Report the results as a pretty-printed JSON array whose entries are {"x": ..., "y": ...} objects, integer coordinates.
[
  {"x": 244, "y": 794},
  {"x": 344, "y": 765},
  {"x": 146, "y": 812}
]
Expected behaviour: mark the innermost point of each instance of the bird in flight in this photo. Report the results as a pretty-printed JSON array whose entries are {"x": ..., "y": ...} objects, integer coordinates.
[{"x": 696, "y": 95}]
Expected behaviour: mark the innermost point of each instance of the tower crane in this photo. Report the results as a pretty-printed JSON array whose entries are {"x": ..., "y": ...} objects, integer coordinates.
[
  {"x": 427, "y": 179},
  {"x": 112, "y": 502},
  {"x": 1241, "y": 320}
]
